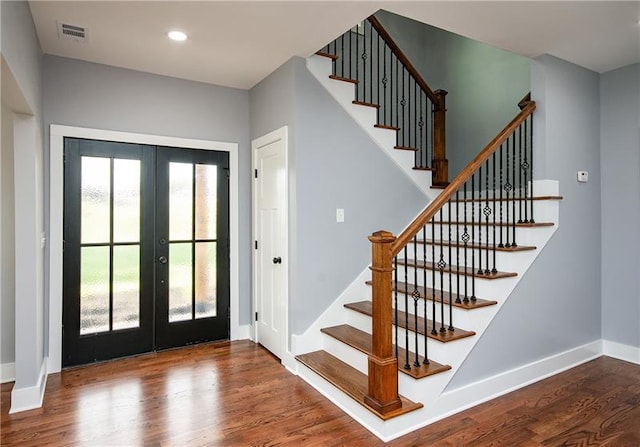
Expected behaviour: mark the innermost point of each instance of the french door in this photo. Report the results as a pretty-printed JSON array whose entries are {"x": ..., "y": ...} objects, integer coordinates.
[{"x": 146, "y": 252}]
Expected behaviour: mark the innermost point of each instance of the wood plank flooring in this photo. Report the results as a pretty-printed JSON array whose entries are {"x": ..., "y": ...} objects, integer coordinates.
[{"x": 237, "y": 394}]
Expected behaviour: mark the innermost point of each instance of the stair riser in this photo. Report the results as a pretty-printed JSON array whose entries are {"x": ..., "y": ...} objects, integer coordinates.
[
  {"x": 504, "y": 260},
  {"x": 346, "y": 353},
  {"x": 487, "y": 289},
  {"x": 543, "y": 211}
]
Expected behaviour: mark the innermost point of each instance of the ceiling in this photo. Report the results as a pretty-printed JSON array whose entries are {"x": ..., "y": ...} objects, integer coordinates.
[{"x": 237, "y": 44}]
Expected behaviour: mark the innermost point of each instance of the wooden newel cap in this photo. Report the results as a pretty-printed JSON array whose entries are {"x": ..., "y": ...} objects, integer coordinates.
[
  {"x": 441, "y": 92},
  {"x": 382, "y": 236}
]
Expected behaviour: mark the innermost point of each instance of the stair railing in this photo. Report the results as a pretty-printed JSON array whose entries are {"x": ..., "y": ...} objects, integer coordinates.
[
  {"x": 474, "y": 216},
  {"x": 385, "y": 79}
]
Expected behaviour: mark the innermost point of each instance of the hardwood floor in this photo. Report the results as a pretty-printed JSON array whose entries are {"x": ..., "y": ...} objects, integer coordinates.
[{"x": 237, "y": 394}]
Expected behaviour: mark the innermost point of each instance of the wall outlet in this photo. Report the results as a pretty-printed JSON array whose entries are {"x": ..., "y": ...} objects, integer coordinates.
[
  {"x": 339, "y": 215},
  {"x": 583, "y": 176}
]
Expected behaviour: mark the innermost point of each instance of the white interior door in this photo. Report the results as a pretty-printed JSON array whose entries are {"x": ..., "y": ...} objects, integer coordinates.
[{"x": 271, "y": 235}]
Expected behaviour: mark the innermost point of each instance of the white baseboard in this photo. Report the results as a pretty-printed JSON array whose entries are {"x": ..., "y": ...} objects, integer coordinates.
[
  {"x": 241, "y": 332},
  {"x": 23, "y": 399},
  {"x": 621, "y": 351},
  {"x": 7, "y": 372}
]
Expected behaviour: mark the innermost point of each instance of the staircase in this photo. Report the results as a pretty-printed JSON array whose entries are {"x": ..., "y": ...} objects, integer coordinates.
[{"x": 389, "y": 345}]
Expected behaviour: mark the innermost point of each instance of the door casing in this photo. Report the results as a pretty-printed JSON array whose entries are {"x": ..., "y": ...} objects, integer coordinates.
[
  {"x": 278, "y": 134},
  {"x": 56, "y": 206}
]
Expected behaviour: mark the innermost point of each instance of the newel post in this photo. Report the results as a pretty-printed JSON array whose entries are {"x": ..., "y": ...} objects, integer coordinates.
[
  {"x": 383, "y": 366},
  {"x": 440, "y": 162}
]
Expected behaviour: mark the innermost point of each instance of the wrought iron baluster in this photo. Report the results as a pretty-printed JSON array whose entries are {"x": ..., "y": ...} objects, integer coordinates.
[
  {"x": 441, "y": 266},
  {"x": 501, "y": 244},
  {"x": 473, "y": 251},
  {"x": 370, "y": 63},
  {"x": 384, "y": 86},
  {"x": 531, "y": 220},
  {"x": 480, "y": 271},
  {"x": 515, "y": 188},
  {"x": 357, "y": 58},
  {"x": 450, "y": 269},
  {"x": 433, "y": 274},
  {"x": 457, "y": 247},
  {"x": 507, "y": 189},
  {"x": 465, "y": 240},
  {"x": 396, "y": 323},
  {"x": 493, "y": 246},
  {"x": 487, "y": 214},
  {"x": 525, "y": 171},
  {"x": 406, "y": 310},
  {"x": 416, "y": 297},
  {"x": 426, "y": 293}
]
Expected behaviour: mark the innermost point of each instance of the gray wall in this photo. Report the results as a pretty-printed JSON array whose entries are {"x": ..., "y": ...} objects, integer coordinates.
[
  {"x": 620, "y": 164},
  {"x": 7, "y": 237},
  {"x": 484, "y": 83},
  {"x": 22, "y": 55},
  {"x": 335, "y": 164},
  {"x": 84, "y": 94},
  {"x": 556, "y": 305}
]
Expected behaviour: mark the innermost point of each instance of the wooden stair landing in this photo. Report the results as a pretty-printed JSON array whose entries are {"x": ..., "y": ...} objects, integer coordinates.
[
  {"x": 362, "y": 341},
  {"x": 445, "y": 294},
  {"x": 455, "y": 269},
  {"x": 350, "y": 381},
  {"x": 365, "y": 308}
]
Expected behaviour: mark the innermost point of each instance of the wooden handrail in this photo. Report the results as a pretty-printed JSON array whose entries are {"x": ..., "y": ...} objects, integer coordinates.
[
  {"x": 407, "y": 235},
  {"x": 404, "y": 60}
]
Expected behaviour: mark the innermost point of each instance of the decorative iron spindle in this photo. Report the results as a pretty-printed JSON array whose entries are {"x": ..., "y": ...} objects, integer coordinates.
[
  {"x": 457, "y": 247},
  {"x": 487, "y": 214},
  {"x": 424, "y": 282},
  {"x": 515, "y": 188},
  {"x": 396, "y": 324},
  {"x": 433, "y": 276},
  {"x": 493, "y": 247},
  {"x": 406, "y": 311},
  {"x": 530, "y": 141},
  {"x": 465, "y": 240},
  {"x": 450, "y": 270},
  {"x": 441, "y": 266},
  {"x": 501, "y": 245},
  {"x": 480, "y": 271}
]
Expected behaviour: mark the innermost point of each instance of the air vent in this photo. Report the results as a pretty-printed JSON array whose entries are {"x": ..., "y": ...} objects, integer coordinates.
[{"x": 73, "y": 32}]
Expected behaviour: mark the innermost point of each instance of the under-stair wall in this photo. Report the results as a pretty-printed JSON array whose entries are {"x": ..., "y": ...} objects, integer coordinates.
[{"x": 333, "y": 164}]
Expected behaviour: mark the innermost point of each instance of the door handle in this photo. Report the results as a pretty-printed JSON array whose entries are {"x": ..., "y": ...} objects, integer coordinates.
[
  {"x": 162, "y": 259},
  {"x": 277, "y": 260}
]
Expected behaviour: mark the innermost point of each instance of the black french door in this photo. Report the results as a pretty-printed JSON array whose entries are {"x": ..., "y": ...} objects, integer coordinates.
[{"x": 146, "y": 252}]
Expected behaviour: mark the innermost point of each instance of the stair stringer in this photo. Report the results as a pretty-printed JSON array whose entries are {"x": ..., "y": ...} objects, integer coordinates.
[
  {"x": 430, "y": 390},
  {"x": 343, "y": 93}
]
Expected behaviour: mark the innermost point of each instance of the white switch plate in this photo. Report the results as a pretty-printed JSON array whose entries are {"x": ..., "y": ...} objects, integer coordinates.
[
  {"x": 583, "y": 176},
  {"x": 339, "y": 215}
]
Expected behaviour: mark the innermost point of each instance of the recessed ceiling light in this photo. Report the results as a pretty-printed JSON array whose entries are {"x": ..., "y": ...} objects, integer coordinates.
[{"x": 177, "y": 36}]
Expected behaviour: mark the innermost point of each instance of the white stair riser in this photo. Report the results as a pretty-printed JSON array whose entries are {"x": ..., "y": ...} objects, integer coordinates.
[{"x": 346, "y": 353}]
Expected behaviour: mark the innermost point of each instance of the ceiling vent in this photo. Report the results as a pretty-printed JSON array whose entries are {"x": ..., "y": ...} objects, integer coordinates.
[{"x": 73, "y": 32}]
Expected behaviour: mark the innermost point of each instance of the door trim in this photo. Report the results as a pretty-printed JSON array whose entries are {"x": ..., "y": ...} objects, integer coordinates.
[
  {"x": 278, "y": 134},
  {"x": 56, "y": 204}
]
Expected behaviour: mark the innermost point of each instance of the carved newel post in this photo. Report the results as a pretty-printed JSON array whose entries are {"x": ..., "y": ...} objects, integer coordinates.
[{"x": 383, "y": 366}]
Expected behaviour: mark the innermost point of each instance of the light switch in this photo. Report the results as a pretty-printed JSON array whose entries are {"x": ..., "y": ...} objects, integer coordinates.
[
  {"x": 583, "y": 176},
  {"x": 339, "y": 215}
]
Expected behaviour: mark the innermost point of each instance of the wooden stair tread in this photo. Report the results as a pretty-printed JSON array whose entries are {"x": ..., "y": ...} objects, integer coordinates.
[
  {"x": 497, "y": 224},
  {"x": 476, "y": 245},
  {"x": 333, "y": 57},
  {"x": 422, "y": 168},
  {"x": 510, "y": 199},
  {"x": 455, "y": 269},
  {"x": 439, "y": 186},
  {"x": 406, "y": 148},
  {"x": 366, "y": 104},
  {"x": 362, "y": 341},
  {"x": 340, "y": 78},
  {"x": 350, "y": 381},
  {"x": 366, "y": 308},
  {"x": 478, "y": 303},
  {"x": 384, "y": 126}
]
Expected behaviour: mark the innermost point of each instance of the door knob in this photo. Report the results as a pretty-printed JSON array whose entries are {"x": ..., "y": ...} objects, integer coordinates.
[
  {"x": 162, "y": 259},
  {"x": 277, "y": 260}
]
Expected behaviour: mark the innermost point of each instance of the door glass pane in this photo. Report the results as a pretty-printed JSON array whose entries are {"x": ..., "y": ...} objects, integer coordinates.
[
  {"x": 205, "y": 279},
  {"x": 126, "y": 200},
  {"x": 94, "y": 199},
  {"x": 180, "y": 284},
  {"x": 94, "y": 290},
  {"x": 206, "y": 201},
  {"x": 126, "y": 286},
  {"x": 180, "y": 201}
]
